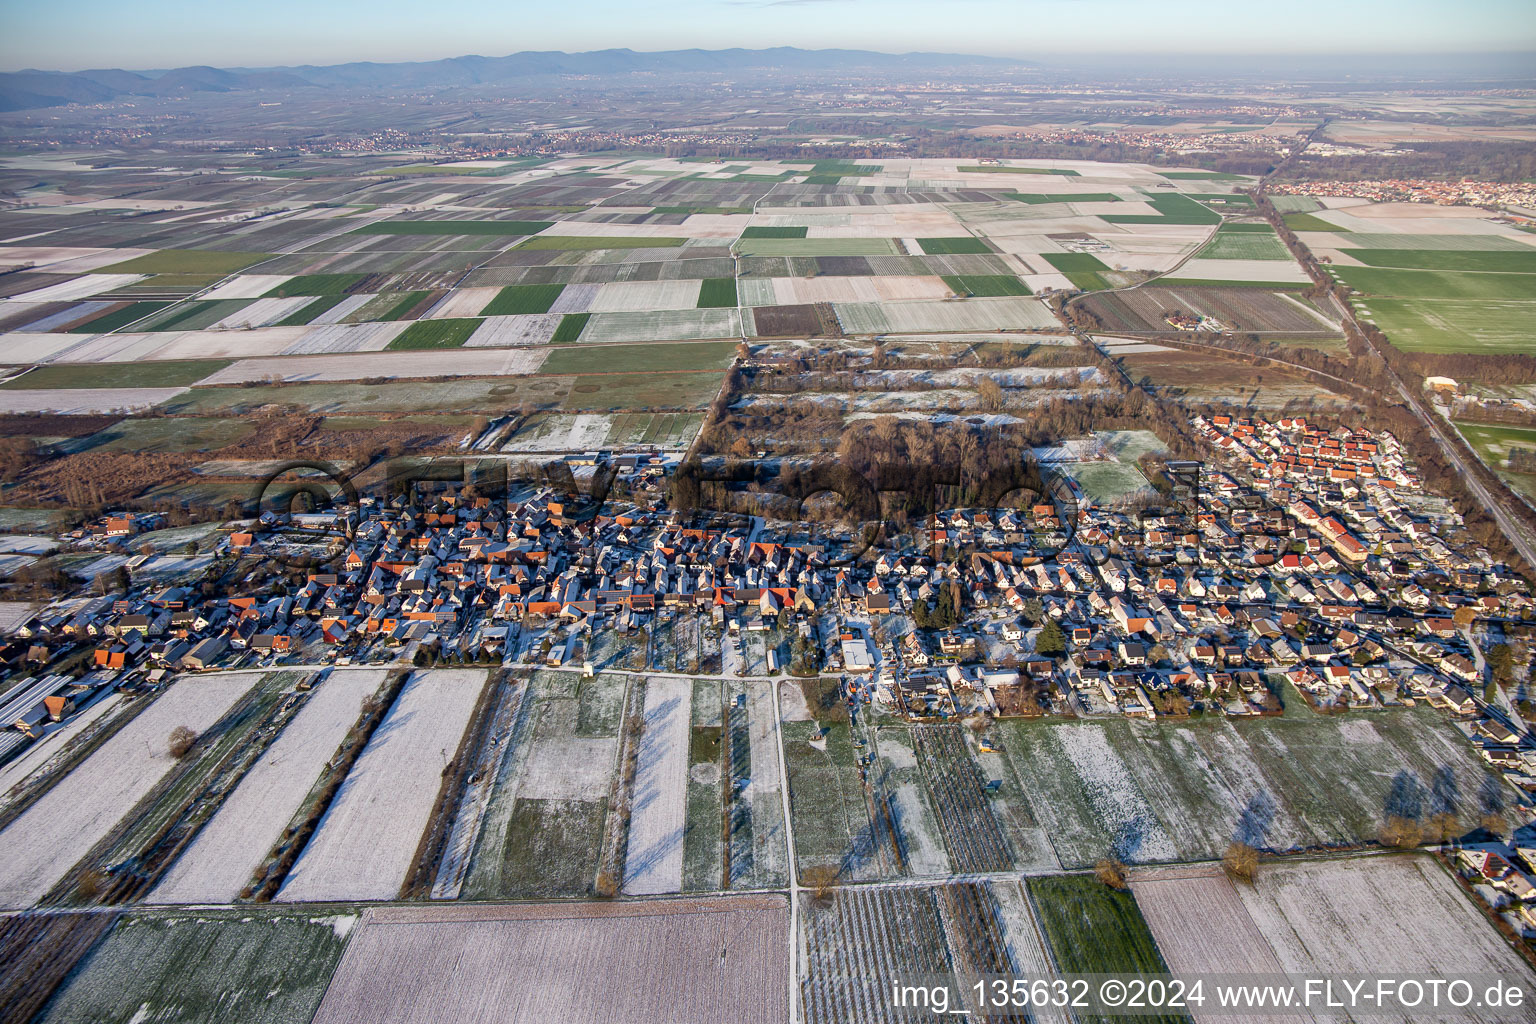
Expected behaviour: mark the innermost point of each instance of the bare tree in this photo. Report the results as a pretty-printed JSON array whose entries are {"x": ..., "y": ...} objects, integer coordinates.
[
  {"x": 1241, "y": 861},
  {"x": 181, "y": 740},
  {"x": 1111, "y": 871}
]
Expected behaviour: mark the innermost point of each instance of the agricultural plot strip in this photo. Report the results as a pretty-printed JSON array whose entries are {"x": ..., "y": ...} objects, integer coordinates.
[
  {"x": 653, "y": 861},
  {"x": 681, "y": 961},
  {"x": 370, "y": 832},
  {"x": 868, "y": 937},
  {"x": 1201, "y": 925},
  {"x": 37, "y": 951},
  {"x": 971, "y": 833},
  {"x": 494, "y": 757},
  {"x": 77, "y": 813},
  {"x": 1325, "y": 917},
  {"x": 219, "y": 862}
]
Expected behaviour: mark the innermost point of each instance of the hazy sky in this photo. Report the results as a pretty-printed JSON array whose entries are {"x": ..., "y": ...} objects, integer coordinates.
[{"x": 77, "y": 34}]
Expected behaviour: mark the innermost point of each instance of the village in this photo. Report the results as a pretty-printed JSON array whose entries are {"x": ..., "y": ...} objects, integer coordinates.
[{"x": 1207, "y": 603}]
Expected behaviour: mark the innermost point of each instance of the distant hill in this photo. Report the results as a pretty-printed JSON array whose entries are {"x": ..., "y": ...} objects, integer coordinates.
[{"x": 25, "y": 90}]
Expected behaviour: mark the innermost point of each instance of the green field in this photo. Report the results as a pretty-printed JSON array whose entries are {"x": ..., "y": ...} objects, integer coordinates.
[
  {"x": 303, "y": 316},
  {"x": 1170, "y": 791},
  {"x": 1245, "y": 228},
  {"x": 421, "y": 169},
  {"x": 1067, "y": 262},
  {"x": 1434, "y": 284},
  {"x": 173, "y": 373},
  {"x": 817, "y": 247},
  {"x": 1083, "y": 269},
  {"x": 403, "y": 304},
  {"x": 588, "y": 243},
  {"x": 1295, "y": 204},
  {"x": 1093, "y": 929},
  {"x": 571, "y": 326},
  {"x": 1494, "y": 444},
  {"x": 1435, "y": 243},
  {"x": 1042, "y": 199},
  {"x": 1423, "y": 259},
  {"x": 1020, "y": 170},
  {"x": 118, "y": 318},
  {"x": 1307, "y": 222},
  {"x": 704, "y": 355},
  {"x": 828, "y": 809},
  {"x": 187, "y": 261},
  {"x": 1199, "y": 176},
  {"x": 523, "y": 298},
  {"x": 986, "y": 285},
  {"x": 315, "y": 284},
  {"x": 425, "y": 334},
  {"x": 956, "y": 246},
  {"x": 166, "y": 286},
  {"x": 767, "y": 232},
  {"x": 254, "y": 965},
  {"x": 1108, "y": 481},
  {"x": 607, "y": 392},
  {"x": 715, "y": 292},
  {"x": 1171, "y": 209},
  {"x": 168, "y": 434},
  {"x": 454, "y": 227}
]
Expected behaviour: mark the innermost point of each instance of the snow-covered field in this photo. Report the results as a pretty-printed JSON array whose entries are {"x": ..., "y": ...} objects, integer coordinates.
[
  {"x": 794, "y": 290},
  {"x": 44, "y": 749},
  {"x": 80, "y": 401},
  {"x": 1200, "y": 923},
  {"x": 517, "y": 329},
  {"x": 564, "y": 432},
  {"x": 1116, "y": 799},
  {"x": 644, "y": 296},
  {"x": 249, "y": 286},
  {"x": 461, "y": 302},
  {"x": 80, "y": 288},
  {"x": 219, "y": 862},
  {"x": 357, "y": 366},
  {"x": 55, "y": 832},
  {"x": 263, "y": 312},
  {"x": 654, "y": 858},
  {"x": 563, "y": 765},
  {"x": 1400, "y": 914},
  {"x": 364, "y": 845},
  {"x": 568, "y": 962},
  {"x": 347, "y": 338}
]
